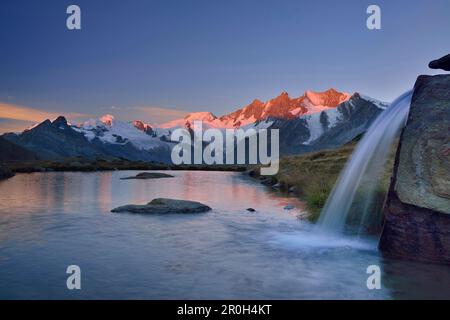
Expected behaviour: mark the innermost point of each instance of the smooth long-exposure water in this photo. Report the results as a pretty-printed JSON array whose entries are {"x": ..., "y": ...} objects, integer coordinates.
[
  {"x": 363, "y": 171},
  {"x": 51, "y": 220}
]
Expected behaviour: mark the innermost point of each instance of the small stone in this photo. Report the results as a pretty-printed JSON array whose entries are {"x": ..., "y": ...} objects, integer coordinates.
[
  {"x": 289, "y": 207},
  {"x": 251, "y": 210}
]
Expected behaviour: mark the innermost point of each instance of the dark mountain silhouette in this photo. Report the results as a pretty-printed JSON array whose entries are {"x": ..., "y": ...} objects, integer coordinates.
[{"x": 10, "y": 151}]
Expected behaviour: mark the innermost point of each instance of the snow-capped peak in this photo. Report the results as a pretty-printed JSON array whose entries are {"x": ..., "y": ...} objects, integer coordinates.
[
  {"x": 200, "y": 116},
  {"x": 142, "y": 126},
  {"x": 285, "y": 107},
  {"x": 112, "y": 131},
  {"x": 329, "y": 98},
  {"x": 208, "y": 119},
  {"x": 107, "y": 119},
  {"x": 380, "y": 104}
]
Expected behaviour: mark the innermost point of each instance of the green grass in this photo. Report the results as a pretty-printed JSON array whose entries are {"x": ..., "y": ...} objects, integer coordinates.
[{"x": 312, "y": 175}]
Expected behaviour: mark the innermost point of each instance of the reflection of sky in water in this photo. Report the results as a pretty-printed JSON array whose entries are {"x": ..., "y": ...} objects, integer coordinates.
[{"x": 51, "y": 220}]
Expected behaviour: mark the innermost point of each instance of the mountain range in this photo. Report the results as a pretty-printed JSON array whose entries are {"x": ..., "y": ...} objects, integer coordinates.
[{"x": 313, "y": 121}]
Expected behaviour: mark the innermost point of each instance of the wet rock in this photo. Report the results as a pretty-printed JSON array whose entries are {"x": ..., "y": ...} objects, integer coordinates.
[
  {"x": 5, "y": 173},
  {"x": 293, "y": 189},
  {"x": 289, "y": 207},
  {"x": 441, "y": 63},
  {"x": 267, "y": 181},
  {"x": 303, "y": 215},
  {"x": 415, "y": 233},
  {"x": 417, "y": 209},
  {"x": 163, "y": 206},
  {"x": 276, "y": 186},
  {"x": 149, "y": 175},
  {"x": 251, "y": 210}
]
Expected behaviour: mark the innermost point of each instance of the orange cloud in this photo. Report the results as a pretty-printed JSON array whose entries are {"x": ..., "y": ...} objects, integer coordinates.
[
  {"x": 15, "y": 112},
  {"x": 150, "y": 114},
  {"x": 13, "y": 125},
  {"x": 16, "y": 118}
]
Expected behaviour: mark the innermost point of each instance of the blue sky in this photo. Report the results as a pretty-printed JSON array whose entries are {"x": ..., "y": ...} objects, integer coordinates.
[{"x": 137, "y": 58}]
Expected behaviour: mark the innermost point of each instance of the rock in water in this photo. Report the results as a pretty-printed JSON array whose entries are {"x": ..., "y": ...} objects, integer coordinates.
[
  {"x": 163, "y": 205},
  {"x": 5, "y": 173},
  {"x": 149, "y": 175},
  {"x": 417, "y": 210},
  {"x": 441, "y": 63}
]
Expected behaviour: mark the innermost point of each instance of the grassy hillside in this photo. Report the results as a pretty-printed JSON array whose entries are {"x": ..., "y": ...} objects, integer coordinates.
[{"x": 311, "y": 176}]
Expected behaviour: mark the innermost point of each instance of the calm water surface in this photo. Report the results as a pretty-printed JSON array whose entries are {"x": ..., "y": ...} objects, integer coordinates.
[{"x": 51, "y": 220}]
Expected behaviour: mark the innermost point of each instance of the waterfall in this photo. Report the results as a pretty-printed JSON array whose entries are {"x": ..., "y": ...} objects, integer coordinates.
[{"x": 362, "y": 172}]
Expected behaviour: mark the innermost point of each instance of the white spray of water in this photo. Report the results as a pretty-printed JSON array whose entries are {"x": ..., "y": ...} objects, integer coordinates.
[{"x": 365, "y": 166}]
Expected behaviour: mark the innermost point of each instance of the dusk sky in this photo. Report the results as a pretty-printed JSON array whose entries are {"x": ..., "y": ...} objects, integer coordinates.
[{"x": 158, "y": 60}]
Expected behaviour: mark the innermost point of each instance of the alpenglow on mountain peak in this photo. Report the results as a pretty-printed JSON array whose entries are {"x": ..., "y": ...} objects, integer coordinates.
[
  {"x": 280, "y": 107},
  {"x": 285, "y": 107},
  {"x": 313, "y": 121}
]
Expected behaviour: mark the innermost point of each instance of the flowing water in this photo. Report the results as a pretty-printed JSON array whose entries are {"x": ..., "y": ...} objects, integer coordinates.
[
  {"x": 51, "y": 220},
  {"x": 361, "y": 174}
]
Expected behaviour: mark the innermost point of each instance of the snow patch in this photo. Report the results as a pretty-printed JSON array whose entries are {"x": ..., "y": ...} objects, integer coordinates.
[
  {"x": 113, "y": 131},
  {"x": 380, "y": 104}
]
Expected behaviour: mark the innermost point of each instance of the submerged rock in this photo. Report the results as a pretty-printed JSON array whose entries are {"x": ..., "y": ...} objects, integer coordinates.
[
  {"x": 5, "y": 173},
  {"x": 164, "y": 205},
  {"x": 441, "y": 63},
  {"x": 289, "y": 207},
  {"x": 149, "y": 175},
  {"x": 417, "y": 209}
]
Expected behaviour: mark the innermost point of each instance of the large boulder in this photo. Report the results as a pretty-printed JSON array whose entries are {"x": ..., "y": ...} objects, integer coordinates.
[
  {"x": 417, "y": 210},
  {"x": 163, "y": 205}
]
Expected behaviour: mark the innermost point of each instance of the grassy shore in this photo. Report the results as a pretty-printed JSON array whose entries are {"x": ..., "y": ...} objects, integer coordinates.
[{"x": 312, "y": 176}]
